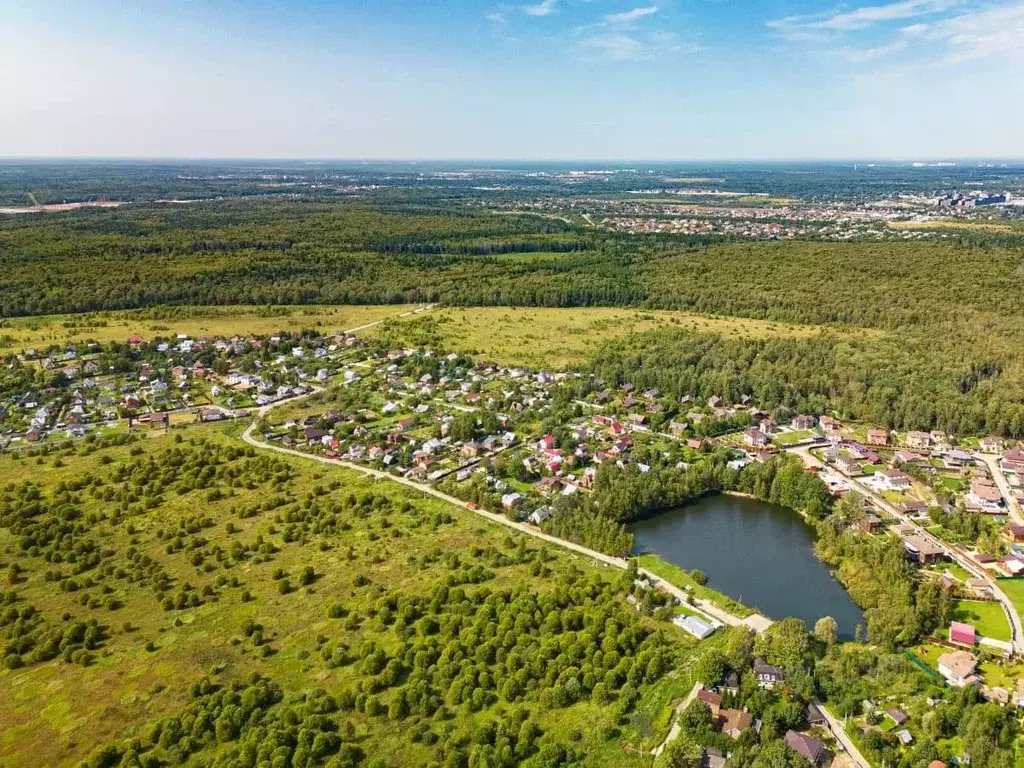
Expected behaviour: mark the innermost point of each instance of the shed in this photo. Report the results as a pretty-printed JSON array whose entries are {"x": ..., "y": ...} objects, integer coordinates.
[{"x": 964, "y": 634}]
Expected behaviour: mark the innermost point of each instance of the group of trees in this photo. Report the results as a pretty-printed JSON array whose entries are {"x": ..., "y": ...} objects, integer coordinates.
[
  {"x": 943, "y": 359},
  {"x": 988, "y": 732},
  {"x": 899, "y": 605},
  {"x": 626, "y": 493},
  {"x": 917, "y": 379},
  {"x": 443, "y": 657}
]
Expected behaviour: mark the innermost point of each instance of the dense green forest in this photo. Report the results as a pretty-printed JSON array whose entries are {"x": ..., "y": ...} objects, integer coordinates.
[
  {"x": 250, "y": 252},
  {"x": 931, "y": 379},
  {"x": 944, "y": 347}
]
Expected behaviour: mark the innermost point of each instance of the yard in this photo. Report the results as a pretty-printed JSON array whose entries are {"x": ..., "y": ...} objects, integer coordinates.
[
  {"x": 1014, "y": 589},
  {"x": 791, "y": 438},
  {"x": 988, "y": 618}
]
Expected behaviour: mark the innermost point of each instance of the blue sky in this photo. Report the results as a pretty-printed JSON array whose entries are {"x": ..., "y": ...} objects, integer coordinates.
[{"x": 539, "y": 79}]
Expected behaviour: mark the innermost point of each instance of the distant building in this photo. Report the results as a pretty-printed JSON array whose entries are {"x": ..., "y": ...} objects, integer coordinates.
[{"x": 878, "y": 436}]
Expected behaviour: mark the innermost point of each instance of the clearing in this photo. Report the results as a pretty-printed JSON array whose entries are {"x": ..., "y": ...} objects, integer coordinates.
[{"x": 559, "y": 338}]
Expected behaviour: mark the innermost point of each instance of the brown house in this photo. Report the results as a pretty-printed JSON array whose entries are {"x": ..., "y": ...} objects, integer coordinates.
[{"x": 878, "y": 436}]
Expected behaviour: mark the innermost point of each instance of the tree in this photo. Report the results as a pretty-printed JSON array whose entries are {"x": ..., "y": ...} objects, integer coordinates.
[
  {"x": 696, "y": 718},
  {"x": 784, "y": 643},
  {"x": 987, "y": 736},
  {"x": 711, "y": 668},
  {"x": 826, "y": 630}
]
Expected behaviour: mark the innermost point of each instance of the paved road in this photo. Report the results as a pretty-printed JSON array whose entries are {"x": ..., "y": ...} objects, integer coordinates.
[
  {"x": 836, "y": 727},
  {"x": 1016, "y": 627},
  {"x": 992, "y": 460}
]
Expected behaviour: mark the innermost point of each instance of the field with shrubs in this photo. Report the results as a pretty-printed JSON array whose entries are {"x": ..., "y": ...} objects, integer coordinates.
[{"x": 190, "y": 599}]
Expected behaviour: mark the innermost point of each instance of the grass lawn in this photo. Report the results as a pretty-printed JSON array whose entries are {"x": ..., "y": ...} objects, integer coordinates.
[
  {"x": 929, "y": 654},
  {"x": 789, "y": 438},
  {"x": 999, "y": 673},
  {"x": 988, "y": 618},
  {"x": 673, "y": 574},
  {"x": 39, "y": 332},
  {"x": 1014, "y": 589},
  {"x": 953, "y": 569}
]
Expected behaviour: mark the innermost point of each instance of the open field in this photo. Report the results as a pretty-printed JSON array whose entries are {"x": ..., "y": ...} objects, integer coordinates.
[
  {"x": 27, "y": 332},
  {"x": 558, "y": 338},
  {"x": 1014, "y": 589},
  {"x": 968, "y": 225},
  {"x": 271, "y": 565}
]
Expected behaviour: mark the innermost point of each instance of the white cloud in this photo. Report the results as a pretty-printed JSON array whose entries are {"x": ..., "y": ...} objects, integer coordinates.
[
  {"x": 543, "y": 8},
  {"x": 497, "y": 17},
  {"x": 618, "y": 46},
  {"x": 628, "y": 17},
  {"x": 993, "y": 32},
  {"x": 864, "y": 17},
  {"x": 859, "y": 56}
]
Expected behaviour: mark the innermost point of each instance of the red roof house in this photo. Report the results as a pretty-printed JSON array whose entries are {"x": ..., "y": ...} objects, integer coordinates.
[{"x": 962, "y": 633}]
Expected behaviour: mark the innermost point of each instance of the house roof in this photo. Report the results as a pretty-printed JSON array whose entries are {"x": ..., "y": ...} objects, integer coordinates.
[
  {"x": 961, "y": 633},
  {"x": 898, "y": 715},
  {"x": 960, "y": 663},
  {"x": 736, "y": 720},
  {"x": 763, "y": 667},
  {"x": 805, "y": 745},
  {"x": 710, "y": 697}
]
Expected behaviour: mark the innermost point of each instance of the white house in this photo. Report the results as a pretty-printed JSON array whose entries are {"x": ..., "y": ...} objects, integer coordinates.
[{"x": 958, "y": 668}]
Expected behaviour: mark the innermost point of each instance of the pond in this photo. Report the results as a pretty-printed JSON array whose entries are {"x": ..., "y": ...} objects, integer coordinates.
[{"x": 758, "y": 553}]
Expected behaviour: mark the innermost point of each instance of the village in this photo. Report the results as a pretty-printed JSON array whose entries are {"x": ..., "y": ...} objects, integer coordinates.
[{"x": 516, "y": 441}]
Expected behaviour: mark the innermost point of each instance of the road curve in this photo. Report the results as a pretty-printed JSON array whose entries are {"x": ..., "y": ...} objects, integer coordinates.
[
  {"x": 992, "y": 461},
  {"x": 1016, "y": 627}
]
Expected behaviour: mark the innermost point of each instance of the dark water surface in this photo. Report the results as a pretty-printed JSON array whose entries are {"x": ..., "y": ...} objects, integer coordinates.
[{"x": 755, "y": 552}]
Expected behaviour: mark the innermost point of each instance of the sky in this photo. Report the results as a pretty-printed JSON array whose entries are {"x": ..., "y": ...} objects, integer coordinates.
[{"x": 532, "y": 80}]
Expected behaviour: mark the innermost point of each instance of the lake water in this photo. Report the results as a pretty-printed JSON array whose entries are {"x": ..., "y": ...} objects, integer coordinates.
[{"x": 757, "y": 553}]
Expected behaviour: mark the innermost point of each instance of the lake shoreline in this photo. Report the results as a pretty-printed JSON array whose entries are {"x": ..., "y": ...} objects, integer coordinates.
[{"x": 751, "y": 551}]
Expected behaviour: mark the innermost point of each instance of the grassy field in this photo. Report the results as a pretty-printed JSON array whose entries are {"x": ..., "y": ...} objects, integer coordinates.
[
  {"x": 789, "y": 438},
  {"x": 970, "y": 225},
  {"x": 988, "y": 618},
  {"x": 673, "y": 574},
  {"x": 1014, "y": 589},
  {"x": 233, "y": 533},
  {"x": 19, "y": 333},
  {"x": 558, "y": 338}
]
